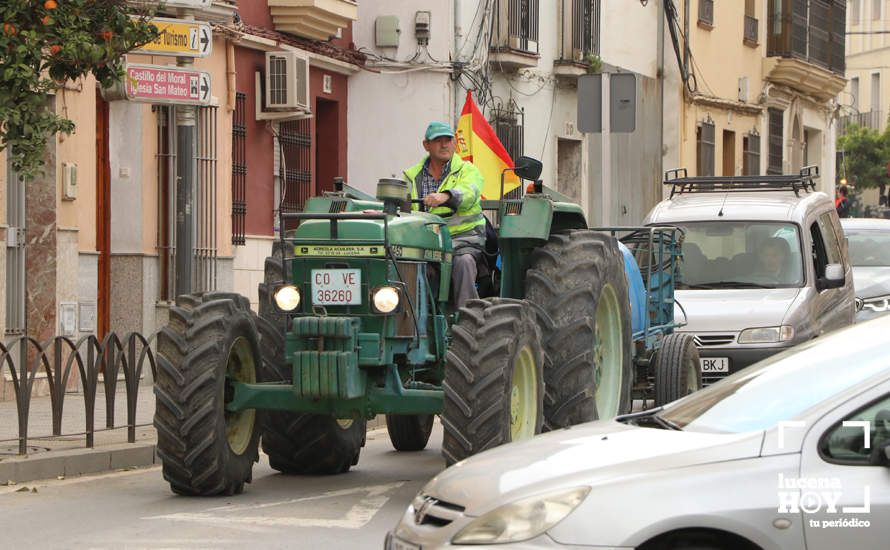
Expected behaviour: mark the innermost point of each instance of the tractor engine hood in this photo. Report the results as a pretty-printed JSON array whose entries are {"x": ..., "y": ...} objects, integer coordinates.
[{"x": 415, "y": 231}]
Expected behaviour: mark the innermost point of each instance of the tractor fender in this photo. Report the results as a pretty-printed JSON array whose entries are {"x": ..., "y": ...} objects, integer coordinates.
[{"x": 636, "y": 290}]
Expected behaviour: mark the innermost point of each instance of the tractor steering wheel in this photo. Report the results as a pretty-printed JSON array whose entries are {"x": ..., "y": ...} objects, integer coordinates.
[{"x": 423, "y": 207}]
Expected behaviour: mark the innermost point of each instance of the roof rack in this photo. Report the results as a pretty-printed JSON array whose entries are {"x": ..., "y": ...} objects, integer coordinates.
[{"x": 682, "y": 183}]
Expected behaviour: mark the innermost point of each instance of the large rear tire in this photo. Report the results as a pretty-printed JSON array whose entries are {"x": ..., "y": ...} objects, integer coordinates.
[
  {"x": 298, "y": 443},
  {"x": 210, "y": 341},
  {"x": 677, "y": 370},
  {"x": 579, "y": 288},
  {"x": 409, "y": 432},
  {"x": 494, "y": 384}
]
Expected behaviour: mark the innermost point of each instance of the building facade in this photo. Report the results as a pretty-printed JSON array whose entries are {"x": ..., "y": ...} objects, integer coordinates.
[
  {"x": 521, "y": 59},
  {"x": 866, "y": 97},
  {"x": 755, "y": 87}
]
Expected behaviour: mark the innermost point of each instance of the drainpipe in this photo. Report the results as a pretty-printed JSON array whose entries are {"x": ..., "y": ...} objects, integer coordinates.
[
  {"x": 661, "y": 77},
  {"x": 230, "y": 76},
  {"x": 455, "y": 84}
]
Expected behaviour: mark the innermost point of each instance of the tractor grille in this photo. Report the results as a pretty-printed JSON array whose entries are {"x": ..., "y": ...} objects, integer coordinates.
[
  {"x": 512, "y": 208},
  {"x": 429, "y": 511},
  {"x": 337, "y": 206},
  {"x": 405, "y": 319},
  {"x": 704, "y": 340}
]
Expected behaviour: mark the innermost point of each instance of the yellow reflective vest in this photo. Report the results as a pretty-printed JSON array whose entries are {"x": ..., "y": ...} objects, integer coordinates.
[{"x": 465, "y": 178}]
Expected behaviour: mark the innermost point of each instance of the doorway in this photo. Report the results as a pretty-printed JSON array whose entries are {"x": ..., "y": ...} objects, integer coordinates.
[
  {"x": 728, "y": 153},
  {"x": 327, "y": 145}
]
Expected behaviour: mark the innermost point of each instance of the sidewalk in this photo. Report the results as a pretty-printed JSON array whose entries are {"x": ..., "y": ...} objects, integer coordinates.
[{"x": 67, "y": 455}]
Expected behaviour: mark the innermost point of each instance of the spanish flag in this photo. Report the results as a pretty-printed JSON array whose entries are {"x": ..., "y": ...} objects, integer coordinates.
[{"x": 477, "y": 143}]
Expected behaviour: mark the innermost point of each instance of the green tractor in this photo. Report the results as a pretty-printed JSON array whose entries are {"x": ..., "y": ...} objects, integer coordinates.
[{"x": 355, "y": 320}]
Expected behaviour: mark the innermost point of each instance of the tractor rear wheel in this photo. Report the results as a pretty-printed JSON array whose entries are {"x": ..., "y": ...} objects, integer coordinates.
[
  {"x": 677, "y": 371},
  {"x": 210, "y": 341},
  {"x": 409, "y": 432},
  {"x": 578, "y": 286},
  {"x": 298, "y": 443},
  {"x": 494, "y": 385}
]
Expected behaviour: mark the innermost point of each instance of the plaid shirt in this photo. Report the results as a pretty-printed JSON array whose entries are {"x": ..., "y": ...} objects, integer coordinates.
[{"x": 428, "y": 184}]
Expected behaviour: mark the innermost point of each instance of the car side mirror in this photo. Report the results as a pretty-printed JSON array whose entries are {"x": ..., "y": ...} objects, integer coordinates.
[
  {"x": 528, "y": 168},
  {"x": 834, "y": 277}
]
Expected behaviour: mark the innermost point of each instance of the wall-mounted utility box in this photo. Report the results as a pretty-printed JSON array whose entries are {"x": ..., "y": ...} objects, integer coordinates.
[
  {"x": 386, "y": 31},
  {"x": 69, "y": 181}
]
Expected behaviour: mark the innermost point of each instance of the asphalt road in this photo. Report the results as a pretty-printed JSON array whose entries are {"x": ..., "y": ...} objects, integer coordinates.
[{"x": 135, "y": 509}]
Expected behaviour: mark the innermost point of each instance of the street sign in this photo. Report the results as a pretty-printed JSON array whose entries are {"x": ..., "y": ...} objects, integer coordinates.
[
  {"x": 159, "y": 84},
  {"x": 180, "y": 38}
]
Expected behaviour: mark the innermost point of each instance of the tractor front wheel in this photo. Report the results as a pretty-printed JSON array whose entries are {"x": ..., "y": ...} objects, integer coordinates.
[
  {"x": 494, "y": 384},
  {"x": 409, "y": 432},
  {"x": 209, "y": 343}
]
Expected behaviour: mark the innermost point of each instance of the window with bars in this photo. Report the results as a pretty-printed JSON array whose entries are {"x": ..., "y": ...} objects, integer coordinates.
[
  {"x": 509, "y": 125},
  {"x": 811, "y": 30},
  {"x": 517, "y": 25},
  {"x": 751, "y": 155},
  {"x": 204, "y": 251},
  {"x": 580, "y": 29},
  {"x": 704, "y": 144},
  {"x": 706, "y": 13},
  {"x": 775, "y": 141},
  {"x": 751, "y": 24},
  {"x": 294, "y": 168},
  {"x": 239, "y": 169}
]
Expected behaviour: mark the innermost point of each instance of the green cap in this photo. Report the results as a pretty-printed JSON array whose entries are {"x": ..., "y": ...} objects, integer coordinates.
[{"x": 436, "y": 130}]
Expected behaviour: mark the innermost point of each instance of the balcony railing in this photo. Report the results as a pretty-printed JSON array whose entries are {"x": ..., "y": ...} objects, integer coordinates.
[
  {"x": 809, "y": 30},
  {"x": 871, "y": 119},
  {"x": 517, "y": 27},
  {"x": 751, "y": 27}
]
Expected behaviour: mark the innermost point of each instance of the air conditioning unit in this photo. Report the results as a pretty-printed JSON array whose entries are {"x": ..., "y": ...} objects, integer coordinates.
[{"x": 287, "y": 81}]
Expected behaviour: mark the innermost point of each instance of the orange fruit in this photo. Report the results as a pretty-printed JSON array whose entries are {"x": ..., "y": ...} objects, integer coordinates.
[
  {"x": 9, "y": 29},
  {"x": 106, "y": 35},
  {"x": 50, "y": 4},
  {"x": 55, "y": 49},
  {"x": 46, "y": 20}
]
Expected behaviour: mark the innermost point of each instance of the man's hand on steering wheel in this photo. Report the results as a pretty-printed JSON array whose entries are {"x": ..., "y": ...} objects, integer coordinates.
[{"x": 436, "y": 199}]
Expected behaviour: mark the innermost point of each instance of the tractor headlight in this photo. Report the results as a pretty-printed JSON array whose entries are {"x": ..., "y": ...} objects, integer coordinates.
[
  {"x": 521, "y": 520},
  {"x": 287, "y": 298},
  {"x": 386, "y": 299}
]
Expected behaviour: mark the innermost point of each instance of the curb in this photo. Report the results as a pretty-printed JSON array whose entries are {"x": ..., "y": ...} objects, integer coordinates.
[{"x": 75, "y": 462}]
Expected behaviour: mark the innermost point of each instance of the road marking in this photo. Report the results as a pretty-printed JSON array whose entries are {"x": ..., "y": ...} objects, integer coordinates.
[{"x": 374, "y": 499}]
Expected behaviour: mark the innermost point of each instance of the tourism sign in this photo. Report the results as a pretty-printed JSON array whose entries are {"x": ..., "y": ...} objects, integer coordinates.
[
  {"x": 160, "y": 84},
  {"x": 188, "y": 4},
  {"x": 180, "y": 38}
]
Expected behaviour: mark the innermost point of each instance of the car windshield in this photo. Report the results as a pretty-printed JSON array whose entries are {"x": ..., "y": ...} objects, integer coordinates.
[
  {"x": 786, "y": 385},
  {"x": 869, "y": 248},
  {"x": 741, "y": 255}
]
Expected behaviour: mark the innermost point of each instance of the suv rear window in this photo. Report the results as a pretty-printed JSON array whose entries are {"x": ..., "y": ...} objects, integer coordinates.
[{"x": 741, "y": 255}]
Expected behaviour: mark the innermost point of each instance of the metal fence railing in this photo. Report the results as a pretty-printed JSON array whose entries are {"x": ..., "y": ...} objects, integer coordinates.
[
  {"x": 96, "y": 363},
  {"x": 870, "y": 119}
]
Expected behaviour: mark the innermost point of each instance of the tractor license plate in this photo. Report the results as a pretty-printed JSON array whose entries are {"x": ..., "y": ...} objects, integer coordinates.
[
  {"x": 714, "y": 364},
  {"x": 337, "y": 287}
]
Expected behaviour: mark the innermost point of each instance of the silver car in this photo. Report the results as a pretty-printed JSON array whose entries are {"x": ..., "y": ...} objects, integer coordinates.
[
  {"x": 761, "y": 272},
  {"x": 793, "y": 453},
  {"x": 869, "y": 244}
]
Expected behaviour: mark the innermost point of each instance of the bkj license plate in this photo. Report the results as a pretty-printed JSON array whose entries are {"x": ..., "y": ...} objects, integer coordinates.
[
  {"x": 337, "y": 287},
  {"x": 714, "y": 364}
]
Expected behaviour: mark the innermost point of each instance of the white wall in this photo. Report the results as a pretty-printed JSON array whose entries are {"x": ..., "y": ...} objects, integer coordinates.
[
  {"x": 388, "y": 111},
  {"x": 629, "y": 36}
]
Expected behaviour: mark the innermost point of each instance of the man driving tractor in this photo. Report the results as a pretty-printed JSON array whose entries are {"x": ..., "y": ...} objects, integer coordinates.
[{"x": 451, "y": 188}]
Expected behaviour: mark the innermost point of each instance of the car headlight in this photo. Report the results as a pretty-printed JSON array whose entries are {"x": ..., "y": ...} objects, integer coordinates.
[
  {"x": 523, "y": 519},
  {"x": 766, "y": 335},
  {"x": 386, "y": 299},
  {"x": 287, "y": 298}
]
